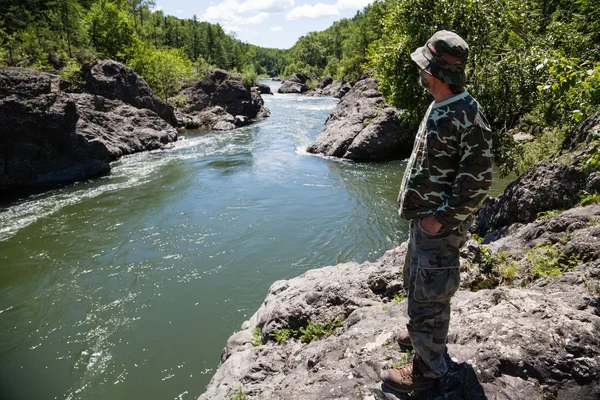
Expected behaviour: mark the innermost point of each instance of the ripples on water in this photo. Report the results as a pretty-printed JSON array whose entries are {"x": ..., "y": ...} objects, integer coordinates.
[{"x": 128, "y": 286}]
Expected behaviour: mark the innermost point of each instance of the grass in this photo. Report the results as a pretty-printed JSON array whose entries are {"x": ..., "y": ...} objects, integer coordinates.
[
  {"x": 313, "y": 331},
  {"x": 505, "y": 266},
  {"x": 548, "y": 261},
  {"x": 477, "y": 238},
  {"x": 405, "y": 358},
  {"x": 486, "y": 257},
  {"x": 589, "y": 198},
  {"x": 237, "y": 393},
  {"x": 282, "y": 335},
  {"x": 316, "y": 331},
  {"x": 398, "y": 298},
  {"x": 542, "y": 215},
  {"x": 256, "y": 339},
  {"x": 592, "y": 222}
]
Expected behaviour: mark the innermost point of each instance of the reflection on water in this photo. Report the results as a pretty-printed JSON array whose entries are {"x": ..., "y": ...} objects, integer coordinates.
[{"x": 128, "y": 286}]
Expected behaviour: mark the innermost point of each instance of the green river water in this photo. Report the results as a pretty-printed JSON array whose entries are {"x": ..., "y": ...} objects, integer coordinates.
[{"x": 128, "y": 286}]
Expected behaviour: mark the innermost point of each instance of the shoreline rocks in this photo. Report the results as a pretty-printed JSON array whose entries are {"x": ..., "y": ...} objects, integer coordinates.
[
  {"x": 115, "y": 81},
  {"x": 54, "y": 132},
  {"x": 49, "y": 138},
  {"x": 364, "y": 128},
  {"x": 220, "y": 101},
  {"x": 328, "y": 87}
]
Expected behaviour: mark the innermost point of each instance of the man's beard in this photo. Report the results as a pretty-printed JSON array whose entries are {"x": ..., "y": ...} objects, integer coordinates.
[{"x": 425, "y": 84}]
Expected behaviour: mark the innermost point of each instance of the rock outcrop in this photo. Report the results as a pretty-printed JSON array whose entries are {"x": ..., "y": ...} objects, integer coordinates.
[
  {"x": 114, "y": 81},
  {"x": 48, "y": 137},
  {"x": 220, "y": 89},
  {"x": 534, "y": 342},
  {"x": 264, "y": 89},
  {"x": 328, "y": 87},
  {"x": 294, "y": 84},
  {"x": 364, "y": 128},
  {"x": 556, "y": 184}
]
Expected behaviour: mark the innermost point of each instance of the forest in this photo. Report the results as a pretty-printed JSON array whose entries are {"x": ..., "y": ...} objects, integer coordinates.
[{"x": 534, "y": 65}]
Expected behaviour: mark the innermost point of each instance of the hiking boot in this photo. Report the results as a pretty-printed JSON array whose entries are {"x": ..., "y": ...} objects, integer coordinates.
[
  {"x": 408, "y": 378},
  {"x": 403, "y": 339}
]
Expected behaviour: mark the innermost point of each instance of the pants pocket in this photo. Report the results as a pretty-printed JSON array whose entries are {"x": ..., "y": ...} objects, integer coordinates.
[{"x": 436, "y": 284}]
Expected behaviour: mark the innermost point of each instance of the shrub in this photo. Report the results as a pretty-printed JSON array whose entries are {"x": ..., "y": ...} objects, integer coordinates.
[
  {"x": 283, "y": 334},
  {"x": 548, "y": 261},
  {"x": 256, "y": 339},
  {"x": 315, "y": 331}
]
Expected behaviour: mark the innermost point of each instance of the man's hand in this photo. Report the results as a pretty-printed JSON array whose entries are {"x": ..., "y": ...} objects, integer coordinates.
[{"x": 430, "y": 224}]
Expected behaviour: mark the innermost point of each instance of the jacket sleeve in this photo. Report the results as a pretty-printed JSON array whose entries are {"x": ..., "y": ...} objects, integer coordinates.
[{"x": 473, "y": 177}]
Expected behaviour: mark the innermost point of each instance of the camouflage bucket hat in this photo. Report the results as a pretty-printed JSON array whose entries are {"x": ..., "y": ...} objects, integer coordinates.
[{"x": 444, "y": 56}]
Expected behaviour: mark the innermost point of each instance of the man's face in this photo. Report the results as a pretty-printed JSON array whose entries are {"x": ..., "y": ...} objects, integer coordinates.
[{"x": 425, "y": 80}]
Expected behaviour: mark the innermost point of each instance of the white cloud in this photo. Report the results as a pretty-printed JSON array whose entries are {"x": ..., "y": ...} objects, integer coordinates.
[
  {"x": 354, "y": 4},
  {"x": 157, "y": 8},
  {"x": 271, "y": 6},
  {"x": 276, "y": 29},
  {"x": 317, "y": 11},
  {"x": 240, "y": 12},
  {"x": 232, "y": 28},
  {"x": 179, "y": 12}
]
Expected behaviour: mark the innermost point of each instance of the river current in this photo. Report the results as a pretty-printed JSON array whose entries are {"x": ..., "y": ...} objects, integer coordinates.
[{"x": 128, "y": 286}]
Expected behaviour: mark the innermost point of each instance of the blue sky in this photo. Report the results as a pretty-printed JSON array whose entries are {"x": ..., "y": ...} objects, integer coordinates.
[{"x": 266, "y": 23}]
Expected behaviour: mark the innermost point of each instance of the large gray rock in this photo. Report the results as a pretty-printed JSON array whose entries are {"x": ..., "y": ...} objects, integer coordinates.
[
  {"x": 556, "y": 184},
  {"x": 334, "y": 88},
  {"x": 537, "y": 343},
  {"x": 24, "y": 83},
  {"x": 364, "y": 128},
  {"x": 264, "y": 89},
  {"x": 294, "y": 84},
  {"x": 115, "y": 81},
  {"x": 49, "y": 138},
  {"x": 220, "y": 89}
]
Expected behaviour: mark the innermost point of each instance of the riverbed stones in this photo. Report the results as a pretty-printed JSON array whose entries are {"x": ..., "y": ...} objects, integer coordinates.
[
  {"x": 364, "y": 128},
  {"x": 220, "y": 91}
]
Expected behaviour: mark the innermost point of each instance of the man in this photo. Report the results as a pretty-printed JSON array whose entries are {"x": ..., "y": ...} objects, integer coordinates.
[{"x": 446, "y": 179}]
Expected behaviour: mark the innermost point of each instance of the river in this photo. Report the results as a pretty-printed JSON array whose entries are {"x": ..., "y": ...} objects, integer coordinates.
[{"x": 128, "y": 286}]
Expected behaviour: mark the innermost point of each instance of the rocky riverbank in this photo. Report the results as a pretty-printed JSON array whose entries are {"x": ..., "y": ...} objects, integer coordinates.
[
  {"x": 54, "y": 131},
  {"x": 524, "y": 324},
  {"x": 364, "y": 128}
]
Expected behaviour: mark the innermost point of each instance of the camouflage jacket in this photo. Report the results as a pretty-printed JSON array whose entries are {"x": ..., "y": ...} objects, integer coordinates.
[{"x": 450, "y": 168}]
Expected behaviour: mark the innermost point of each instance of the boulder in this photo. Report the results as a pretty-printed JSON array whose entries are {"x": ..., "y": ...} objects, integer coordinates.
[
  {"x": 115, "y": 81},
  {"x": 555, "y": 184},
  {"x": 364, "y": 128},
  {"x": 326, "y": 81},
  {"x": 264, "y": 89},
  {"x": 335, "y": 88},
  {"x": 60, "y": 138},
  {"x": 220, "y": 89},
  {"x": 24, "y": 83},
  {"x": 294, "y": 84}
]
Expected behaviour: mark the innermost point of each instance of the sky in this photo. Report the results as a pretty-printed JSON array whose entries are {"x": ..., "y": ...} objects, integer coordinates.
[{"x": 266, "y": 23}]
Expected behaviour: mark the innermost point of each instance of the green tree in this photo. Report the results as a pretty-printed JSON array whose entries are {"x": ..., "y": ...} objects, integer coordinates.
[
  {"x": 163, "y": 69},
  {"x": 111, "y": 30}
]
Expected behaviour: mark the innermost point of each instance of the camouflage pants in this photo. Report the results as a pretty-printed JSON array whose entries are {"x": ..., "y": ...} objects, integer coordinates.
[{"x": 431, "y": 276}]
